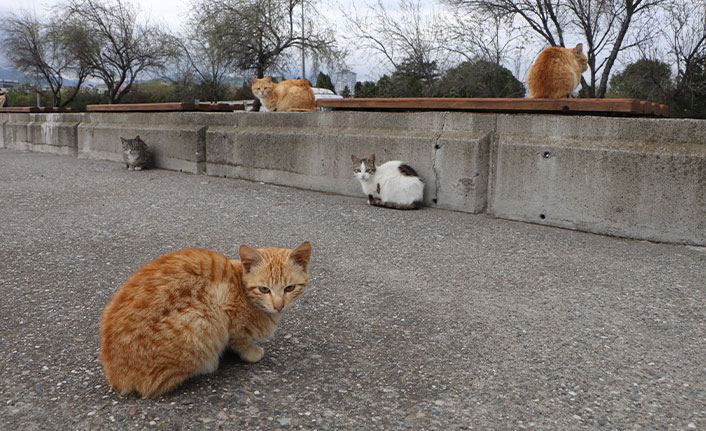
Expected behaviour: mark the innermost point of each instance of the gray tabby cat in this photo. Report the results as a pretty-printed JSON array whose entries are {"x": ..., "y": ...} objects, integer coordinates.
[{"x": 136, "y": 154}]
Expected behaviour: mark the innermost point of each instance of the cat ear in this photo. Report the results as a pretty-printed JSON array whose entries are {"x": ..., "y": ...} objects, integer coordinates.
[
  {"x": 579, "y": 49},
  {"x": 356, "y": 161},
  {"x": 252, "y": 80},
  {"x": 372, "y": 158},
  {"x": 249, "y": 257},
  {"x": 268, "y": 78},
  {"x": 122, "y": 139},
  {"x": 301, "y": 254}
]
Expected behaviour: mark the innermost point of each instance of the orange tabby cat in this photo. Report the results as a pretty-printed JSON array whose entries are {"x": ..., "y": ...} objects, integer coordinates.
[
  {"x": 174, "y": 317},
  {"x": 292, "y": 95},
  {"x": 556, "y": 72}
]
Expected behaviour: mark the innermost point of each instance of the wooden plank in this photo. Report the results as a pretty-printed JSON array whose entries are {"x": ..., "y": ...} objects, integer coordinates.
[
  {"x": 20, "y": 109},
  {"x": 49, "y": 109},
  {"x": 654, "y": 108},
  {"x": 166, "y": 107},
  {"x": 220, "y": 107},
  {"x": 646, "y": 107},
  {"x": 142, "y": 107},
  {"x": 651, "y": 108},
  {"x": 37, "y": 109},
  {"x": 609, "y": 106}
]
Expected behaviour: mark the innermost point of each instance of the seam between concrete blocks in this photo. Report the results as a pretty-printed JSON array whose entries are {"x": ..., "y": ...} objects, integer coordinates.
[
  {"x": 492, "y": 155},
  {"x": 437, "y": 147},
  {"x": 201, "y": 159}
]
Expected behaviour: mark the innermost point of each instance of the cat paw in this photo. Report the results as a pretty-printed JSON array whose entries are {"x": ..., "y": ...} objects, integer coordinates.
[
  {"x": 137, "y": 168},
  {"x": 252, "y": 354},
  {"x": 130, "y": 169}
]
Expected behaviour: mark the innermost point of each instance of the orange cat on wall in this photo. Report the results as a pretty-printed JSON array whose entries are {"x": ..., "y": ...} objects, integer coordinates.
[
  {"x": 292, "y": 95},
  {"x": 556, "y": 72}
]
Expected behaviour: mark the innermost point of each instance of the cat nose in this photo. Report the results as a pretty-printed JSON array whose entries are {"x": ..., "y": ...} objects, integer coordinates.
[{"x": 279, "y": 307}]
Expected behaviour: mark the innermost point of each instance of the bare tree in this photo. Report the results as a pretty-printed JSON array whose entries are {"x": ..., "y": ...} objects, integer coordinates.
[
  {"x": 411, "y": 38},
  {"x": 685, "y": 36},
  {"x": 181, "y": 75},
  {"x": 110, "y": 39},
  {"x": 208, "y": 56},
  {"x": 489, "y": 37},
  {"x": 606, "y": 26},
  {"x": 264, "y": 35},
  {"x": 39, "y": 50}
]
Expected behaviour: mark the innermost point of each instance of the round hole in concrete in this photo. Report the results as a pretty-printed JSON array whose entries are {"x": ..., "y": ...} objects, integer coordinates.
[
  {"x": 542, "y": 216},
  {"x": 434, "y": 200},
  {"x": 547, "y": 154},
  {"x": 437, "y": 146}
]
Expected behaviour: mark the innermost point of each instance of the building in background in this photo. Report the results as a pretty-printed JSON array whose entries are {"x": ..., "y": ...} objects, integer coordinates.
[
  {"x": 9, "y": 83},
  {"x": 345, "y": 78}
]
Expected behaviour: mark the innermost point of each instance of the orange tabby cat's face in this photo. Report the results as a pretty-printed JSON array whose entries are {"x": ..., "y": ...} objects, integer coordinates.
[
  {"x": 274, "y": 277},
  {"x": 262, "y": 88}
]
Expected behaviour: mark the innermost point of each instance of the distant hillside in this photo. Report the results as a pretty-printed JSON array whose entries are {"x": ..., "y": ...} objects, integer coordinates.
[
  {"x": 6, "y": 73},
  {"x": 12, "y": 74}
]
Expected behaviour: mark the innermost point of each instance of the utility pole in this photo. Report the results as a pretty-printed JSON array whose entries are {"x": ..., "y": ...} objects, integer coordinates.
[{"x": 303, "y": 54}]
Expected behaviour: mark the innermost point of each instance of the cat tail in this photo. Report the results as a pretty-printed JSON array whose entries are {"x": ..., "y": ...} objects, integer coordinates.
[
  {"x": 394, "y": 205},
  {"x": 163, "y": 381}
]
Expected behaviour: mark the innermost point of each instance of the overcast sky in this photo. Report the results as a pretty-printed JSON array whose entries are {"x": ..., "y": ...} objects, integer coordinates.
[
  {"x": 163, "y": 8},
  {"x": 172, "y": 13}
]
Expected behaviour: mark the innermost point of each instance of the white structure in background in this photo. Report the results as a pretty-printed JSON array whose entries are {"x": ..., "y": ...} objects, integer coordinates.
[
  {"x": 9, "y": 83},
  {"x": 345, "y": 78},
  {"x": 324, "y": 93}
]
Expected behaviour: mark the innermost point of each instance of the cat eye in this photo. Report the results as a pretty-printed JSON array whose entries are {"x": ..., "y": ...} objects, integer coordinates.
[
  {"x": 264, "y": 289},
  {"x": 289, "y": 288}
]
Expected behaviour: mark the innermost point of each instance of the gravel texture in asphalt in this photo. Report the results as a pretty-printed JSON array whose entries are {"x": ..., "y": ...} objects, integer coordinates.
[{"x": 419, "y": 320}]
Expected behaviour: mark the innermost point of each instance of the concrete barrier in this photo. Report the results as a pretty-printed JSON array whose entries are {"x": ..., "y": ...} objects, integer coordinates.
[
  {"x": 177, "y": 139},
  {"x": 3, "y": 121},
  {"x": 635, "y": 178},
  {"x": 48, "y": 133},
  {"x": 313, "y": 151}
]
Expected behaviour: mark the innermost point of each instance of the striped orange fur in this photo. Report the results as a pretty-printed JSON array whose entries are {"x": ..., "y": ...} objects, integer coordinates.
[
  {"x": 292, "y": 95},
  {"x": 176, "y": 315},
  {"x": 556, "y": 72}
]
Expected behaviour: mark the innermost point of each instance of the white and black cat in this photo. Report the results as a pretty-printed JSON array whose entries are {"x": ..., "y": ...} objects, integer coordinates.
[
  {"x": 136, "y": 154},
  {"x": 393, "y": 184}
]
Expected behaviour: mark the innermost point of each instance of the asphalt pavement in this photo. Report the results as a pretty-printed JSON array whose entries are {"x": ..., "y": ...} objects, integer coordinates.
[{"x": 414, "y": 320}]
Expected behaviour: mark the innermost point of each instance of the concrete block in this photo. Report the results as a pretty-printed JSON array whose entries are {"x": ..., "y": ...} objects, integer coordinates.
[
  {"x": 55, "y": 133},
  {"x": 3, "y": 120},
  {"x": 47, "y": 133},
  {"x": 177, "y": 139},
  {"x": 313, "y": 150},
  {"x": 628, "y": 177},
  {"x": 461, "y": 161},
  {"x": 593, "y": 175},
  {"x": 15, "y": 133}
]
